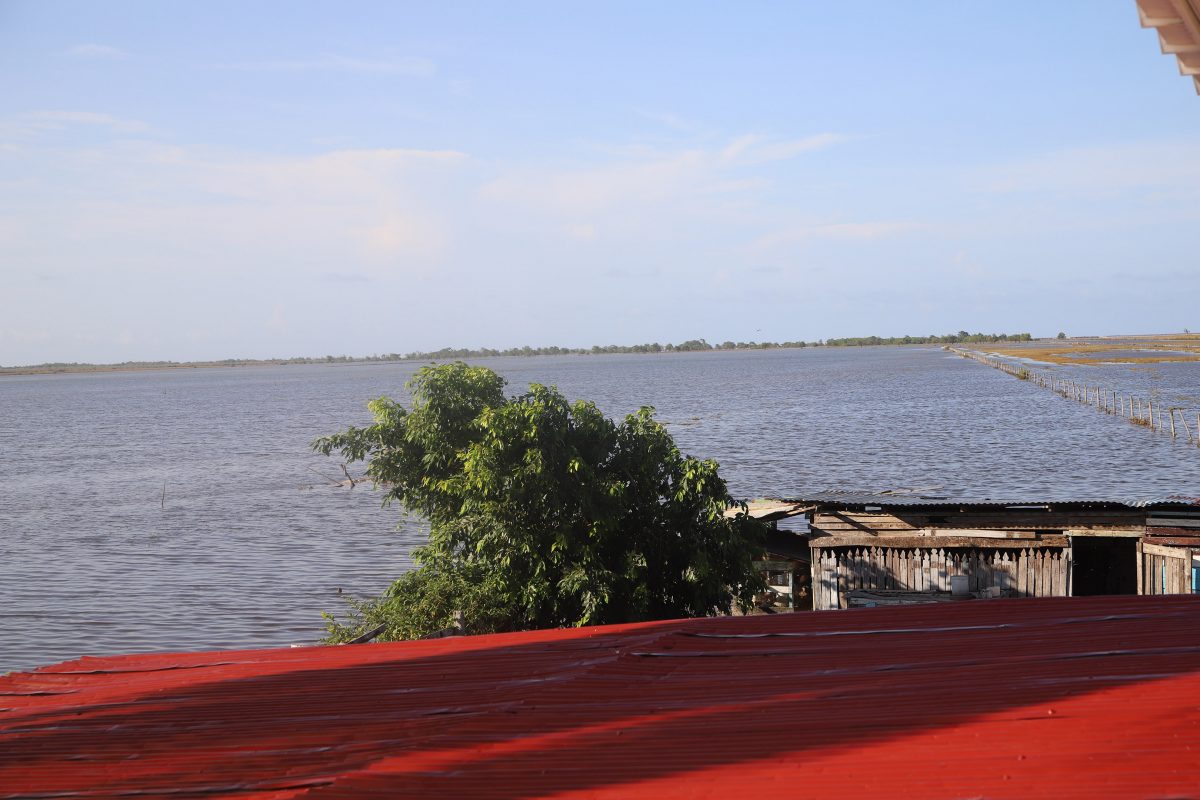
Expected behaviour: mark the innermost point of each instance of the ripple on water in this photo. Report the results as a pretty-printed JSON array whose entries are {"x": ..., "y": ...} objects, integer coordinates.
[{"x": 248, "y": 545}]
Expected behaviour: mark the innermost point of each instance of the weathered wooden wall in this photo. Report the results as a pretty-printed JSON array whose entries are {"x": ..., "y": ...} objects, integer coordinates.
[
  {"x": 1017, "y": 571},
  {"x": 900, "y": 522},
  {"x": 1164, "y": 570}
]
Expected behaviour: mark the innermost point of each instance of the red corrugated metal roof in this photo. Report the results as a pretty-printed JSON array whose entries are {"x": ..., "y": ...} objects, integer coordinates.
[{"x": 1095, "y": 697}]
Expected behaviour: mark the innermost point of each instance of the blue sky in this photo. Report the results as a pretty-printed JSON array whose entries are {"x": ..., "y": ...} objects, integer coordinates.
[{"x": 220, "y": 179}]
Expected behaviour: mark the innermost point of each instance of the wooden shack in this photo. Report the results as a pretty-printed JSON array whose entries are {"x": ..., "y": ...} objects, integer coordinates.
[
  {"x": 877, "y": 549},
  {"x": 784, "y": 563}
]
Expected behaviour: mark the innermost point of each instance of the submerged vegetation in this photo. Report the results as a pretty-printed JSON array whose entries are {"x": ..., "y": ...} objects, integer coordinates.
[
  {"x": 543, "y": 513},
  {"x": 1107, "y": 350}
]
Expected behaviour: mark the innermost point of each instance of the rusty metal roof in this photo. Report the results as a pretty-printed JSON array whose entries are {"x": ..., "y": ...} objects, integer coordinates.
[
  {"x": 899, "y": 499},
  {"x": 1066, "y": 697}
]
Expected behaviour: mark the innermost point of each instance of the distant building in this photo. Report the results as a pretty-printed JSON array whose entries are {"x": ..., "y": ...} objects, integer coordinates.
[{"x": 880, "y": 549}]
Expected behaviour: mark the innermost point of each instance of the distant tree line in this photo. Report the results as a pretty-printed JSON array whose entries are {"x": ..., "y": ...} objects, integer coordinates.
[
  {"x": 695, "y": 345},
  {"x": 691, "y": 345},
  {"x": 453, "y": 353},
  {"x": 962, "y": 337}
]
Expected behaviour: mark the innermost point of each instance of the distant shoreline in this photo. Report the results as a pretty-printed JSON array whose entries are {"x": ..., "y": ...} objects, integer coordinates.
[{"x": 689, "y": 346}]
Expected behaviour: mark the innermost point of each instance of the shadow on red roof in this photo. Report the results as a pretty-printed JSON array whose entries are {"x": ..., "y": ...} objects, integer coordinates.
[{"x": 1096, "y": 697}]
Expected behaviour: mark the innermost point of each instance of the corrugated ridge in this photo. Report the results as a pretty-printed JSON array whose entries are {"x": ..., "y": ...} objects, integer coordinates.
[{"x": 1038, "y": 697}]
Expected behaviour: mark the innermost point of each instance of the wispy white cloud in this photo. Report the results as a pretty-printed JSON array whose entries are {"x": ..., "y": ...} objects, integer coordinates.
[
  {"x": 752, "y": 149},
  {"x": 332, "y": 62},
  {"x": 640, "y": 176},
  {"x": 372, "y": 212},
  {"x": 846, "y": 231},
  {"x": 93, "y": 50},
  {"x": 32, "y": 123}
]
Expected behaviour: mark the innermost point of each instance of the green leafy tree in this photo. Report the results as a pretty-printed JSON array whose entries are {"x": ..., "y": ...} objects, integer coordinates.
[{"x": 544, "y": 513}]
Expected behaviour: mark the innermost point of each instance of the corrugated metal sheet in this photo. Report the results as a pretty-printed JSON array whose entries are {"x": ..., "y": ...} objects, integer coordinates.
[
  {"x": 900, "y": 499},
  {"x": 1086, "y": 697}
]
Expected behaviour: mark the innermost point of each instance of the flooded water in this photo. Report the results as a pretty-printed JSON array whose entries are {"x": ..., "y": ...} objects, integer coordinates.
[{"x": 184, "y": 510}]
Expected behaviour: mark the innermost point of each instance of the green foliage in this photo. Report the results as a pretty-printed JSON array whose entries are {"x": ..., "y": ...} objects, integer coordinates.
[
  {"x": 1061, "y": 335},
  {"x": 423, "y": 602},
  {"x": 565, "y": 516}
]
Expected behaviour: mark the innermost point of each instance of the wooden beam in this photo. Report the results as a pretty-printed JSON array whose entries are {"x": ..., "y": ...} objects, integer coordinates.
[
  {"x": 1169, "y": 552},
  {"x": 1095, "y": 533},
  {"x": 930, "y": 542},
  {"x": 775, "y": 566},
  {"x": 1148, "y": 21},
  {"x": 1177, "y": 541},
  {"x": 977, "y": 533},
  {"x": 1189, "y": 15}
]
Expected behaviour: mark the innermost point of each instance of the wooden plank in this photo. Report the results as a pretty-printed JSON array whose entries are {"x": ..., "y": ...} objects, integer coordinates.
[
  {"x": 1042, "y": 520},
  {"x": 832, "y": 600},
  {"x": 861, "y": 522},
  {"x": 1129, "y": 533},
  {"x": 1141, "y": 571},
  {"x": 1022, "y": 573},
  {"x": 775, "y": 566},
  {"x": 1177, "y": 541},
  {"x": 1172, "y": 522},
  {"x": 978, "y": 533},
  {"x": 1069, "y": 570},
  {"x": 1001, "y": 519},
  {"x": 1166, "y": 552},
  {"x": 820, "y": 581},
  {"x": 841, "y": 581},
  {"x": 928, "y": 542}
]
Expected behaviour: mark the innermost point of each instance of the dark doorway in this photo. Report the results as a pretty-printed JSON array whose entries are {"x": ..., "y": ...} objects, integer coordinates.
[{"x": 1103, "y": 565}]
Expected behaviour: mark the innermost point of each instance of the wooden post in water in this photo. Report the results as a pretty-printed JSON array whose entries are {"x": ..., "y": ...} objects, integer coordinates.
[
  {"x": 1172, "y": 411},
  {"x": 1150, "y": 406}
]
